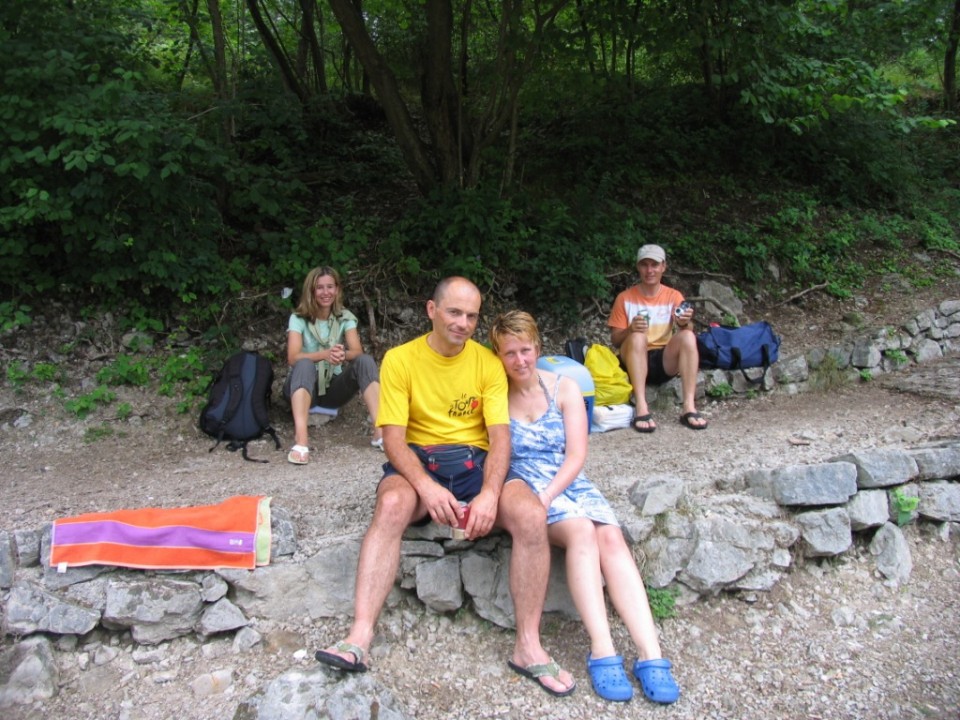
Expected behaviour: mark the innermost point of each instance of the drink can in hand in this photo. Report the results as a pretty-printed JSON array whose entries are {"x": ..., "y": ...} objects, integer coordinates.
[{"x": 459, "y": 532}]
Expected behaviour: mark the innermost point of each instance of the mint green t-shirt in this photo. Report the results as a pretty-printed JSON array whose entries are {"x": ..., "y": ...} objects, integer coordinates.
[{"x": 311, "y": 344}]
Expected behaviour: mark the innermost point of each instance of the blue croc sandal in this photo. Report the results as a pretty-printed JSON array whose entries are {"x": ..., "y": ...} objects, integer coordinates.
[
  {"x": 657, "y": 680},
  {"x": 609, "y": 679}
]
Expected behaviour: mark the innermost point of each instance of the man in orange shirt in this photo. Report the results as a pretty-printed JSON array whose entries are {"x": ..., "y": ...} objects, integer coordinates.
[{"x": 652, "y": 327}]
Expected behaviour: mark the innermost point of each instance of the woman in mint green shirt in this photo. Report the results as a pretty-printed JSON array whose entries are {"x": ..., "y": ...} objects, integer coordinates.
[{"x": 327, "y": 363}]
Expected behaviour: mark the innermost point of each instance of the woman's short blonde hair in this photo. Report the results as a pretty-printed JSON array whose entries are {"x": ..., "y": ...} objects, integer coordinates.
[{"x": 516, "y": 323}]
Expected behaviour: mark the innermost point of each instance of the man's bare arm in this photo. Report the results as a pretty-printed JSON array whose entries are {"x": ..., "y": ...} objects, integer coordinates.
[{"x": 618, "y": 335}]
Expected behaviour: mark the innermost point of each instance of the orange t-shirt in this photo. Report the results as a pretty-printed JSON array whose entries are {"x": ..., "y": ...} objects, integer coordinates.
[{"x": 660, "y": 309}]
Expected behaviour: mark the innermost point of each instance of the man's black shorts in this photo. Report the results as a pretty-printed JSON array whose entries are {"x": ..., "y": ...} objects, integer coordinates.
[{"x": 656, "y": 375}]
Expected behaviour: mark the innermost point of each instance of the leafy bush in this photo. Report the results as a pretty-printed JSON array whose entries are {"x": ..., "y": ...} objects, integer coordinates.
[
  {"x": 663, "y": 602},
  {"x": 13, "y": 315},
  {"x": 553, "y": 260},
  {"x": 125, "y": 370},
  {"x": 83, "y": 405},
  {"x": 903, "y": 505},
  {"x": 17, "y": 375},
  {"x": 720, "y": 390},
  {"x": 102, "y": 176},
  {"x": 187, "y": 374}
]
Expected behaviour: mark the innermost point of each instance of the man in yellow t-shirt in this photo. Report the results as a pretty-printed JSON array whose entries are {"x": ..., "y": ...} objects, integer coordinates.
[
  {"x": 642, "y": 322},
  {"x": 446, "y": 433}
]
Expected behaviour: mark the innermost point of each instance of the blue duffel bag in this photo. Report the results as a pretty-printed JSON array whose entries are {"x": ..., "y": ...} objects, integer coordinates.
[{"x": 739, "y": 348}]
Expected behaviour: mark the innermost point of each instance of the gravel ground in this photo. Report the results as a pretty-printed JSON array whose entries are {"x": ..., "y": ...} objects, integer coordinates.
[{"x": 831, "y": 640}]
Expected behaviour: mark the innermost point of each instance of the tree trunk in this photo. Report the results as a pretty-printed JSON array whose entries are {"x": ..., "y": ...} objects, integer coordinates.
[
  {"x": 310, "y": 46},
  {"x": 950, "y": 61},
  {"x": 385, "y": 85},
  {"x": 221, "y": 84},
  {"x": 631, "y": 50},
  {"x": 290, "y": 79},
  {"x": 587, "y": 36},
  {"x": 190, "y": 17},
  {"x": 439, "y": 95},
  {"x": 457, "y": 135}
]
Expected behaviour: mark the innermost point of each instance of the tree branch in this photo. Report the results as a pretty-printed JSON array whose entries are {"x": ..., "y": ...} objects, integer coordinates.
[
  {"x": 719, "y": 305},
  {"x": 951, "y": 253},
  {"x": 800, "y": 294}
]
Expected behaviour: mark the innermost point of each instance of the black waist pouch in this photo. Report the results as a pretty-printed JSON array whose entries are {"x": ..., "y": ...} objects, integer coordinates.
[{"x": 449, "y": 461}]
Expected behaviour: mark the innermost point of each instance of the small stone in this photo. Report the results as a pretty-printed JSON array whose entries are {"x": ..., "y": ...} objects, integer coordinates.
[
  {"x": 104, "y": 654},
  {"x": 213, "y": 683}
]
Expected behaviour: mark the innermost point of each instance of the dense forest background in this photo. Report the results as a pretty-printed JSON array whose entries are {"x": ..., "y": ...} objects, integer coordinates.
[{"x": 161, "y": 159}]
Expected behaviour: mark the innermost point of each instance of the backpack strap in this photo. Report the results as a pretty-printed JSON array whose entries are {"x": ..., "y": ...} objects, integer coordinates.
[
  {"x": 765, "y": 351},
  {"x": 236, "y": 395},
  {"x": 273, "y": 433},
  {"x": 242, "y": 445}
]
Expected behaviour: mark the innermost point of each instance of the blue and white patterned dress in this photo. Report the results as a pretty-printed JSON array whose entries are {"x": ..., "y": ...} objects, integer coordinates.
[{"x": 537, "y": 453}]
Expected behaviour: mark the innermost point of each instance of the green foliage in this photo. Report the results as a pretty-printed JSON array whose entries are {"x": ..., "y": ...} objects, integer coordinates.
[
  {"x": 536, "y": 246},
  {"x": 898, "y": 357},
  {"x": 42, "y": 372},
  {"x": 936, "y": 230},
  {"x": 103, "y": 176},
  {"x": 865, "y": 375},
  {"x": 95, "y": 433},
  {"x": 185, "y": 373},
  {"x": 810, "y": 244},
  {"x": 663, "y": 602},
  {"x": 140, "y": 318},
  {"x": 83, "y": 405},
  {"x": 720, "y": 390},
  {"x": 46, "y": 372},
  {"x": 124, "y": 411},
  {"x": 769, "y": 134},
  {"x": 903, "y": 505},
  {"x": 125, "y": 370},
  {"x": 346, "y": 242},
  {"x": 17, "y": 375},
  {"x": 13, "y": 315}
]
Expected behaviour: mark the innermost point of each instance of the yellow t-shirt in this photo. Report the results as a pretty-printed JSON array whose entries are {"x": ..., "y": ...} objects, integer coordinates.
[{"x": 443, "y": 400}]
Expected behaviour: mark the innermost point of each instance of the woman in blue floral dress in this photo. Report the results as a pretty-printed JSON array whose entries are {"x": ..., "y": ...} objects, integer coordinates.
[{"x": 548, "y": 432}]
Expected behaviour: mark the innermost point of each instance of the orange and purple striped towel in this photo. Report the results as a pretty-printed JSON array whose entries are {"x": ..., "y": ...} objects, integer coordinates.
[{"x": 232, "y": 534}]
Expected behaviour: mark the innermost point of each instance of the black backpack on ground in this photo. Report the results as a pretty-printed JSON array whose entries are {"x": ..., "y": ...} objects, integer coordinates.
[
  {"x": 238, "y": 403},
  {"x": 576, "y": 349}
]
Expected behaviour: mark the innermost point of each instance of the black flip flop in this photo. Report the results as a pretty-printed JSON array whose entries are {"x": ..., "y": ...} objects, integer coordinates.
[
  {"x": 687, "y": 417},
  {"x": 643, "y": 418},
  {"x": 329, "y": 658}
]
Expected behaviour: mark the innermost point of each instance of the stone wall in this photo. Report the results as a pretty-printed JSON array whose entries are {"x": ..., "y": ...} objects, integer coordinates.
[
  {"x": 744, "y": 540},
  {"x": 930, "y": 335}
]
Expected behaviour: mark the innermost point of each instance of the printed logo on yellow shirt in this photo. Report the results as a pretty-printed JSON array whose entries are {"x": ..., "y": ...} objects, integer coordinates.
[{"x": 463, "y": 406}]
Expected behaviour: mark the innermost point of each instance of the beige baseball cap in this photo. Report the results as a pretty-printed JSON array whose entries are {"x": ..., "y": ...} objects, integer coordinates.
[{"x": 652, "y": 252}]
